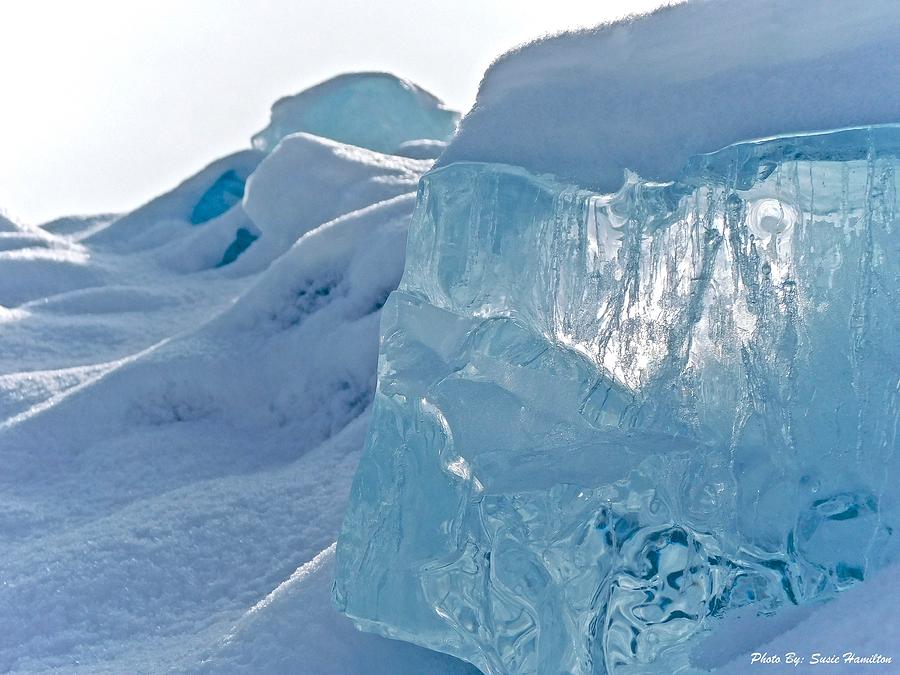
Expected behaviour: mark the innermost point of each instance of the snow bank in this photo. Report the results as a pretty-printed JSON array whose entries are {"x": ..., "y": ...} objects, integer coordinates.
[
  {"x": 180, "y": 420},
  {"x": 647, "y": 93},
  {"x": 219, "y": 243},
  {"x": 35, "y": 264},
  {"x": 245, "y": 210},
  {"x": 372, "y": 110},
  {"x": 147, "y": 503},
  {"x": 211, "y": 219},
  {"x": 197, "y": 200}
]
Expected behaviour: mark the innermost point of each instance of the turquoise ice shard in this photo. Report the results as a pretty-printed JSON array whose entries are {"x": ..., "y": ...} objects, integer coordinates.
[
  {"x": 378, "y": 111},
  {"x": 605, "y": 421}
]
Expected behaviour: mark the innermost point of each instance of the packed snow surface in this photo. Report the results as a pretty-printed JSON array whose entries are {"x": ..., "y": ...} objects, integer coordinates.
[
  {"x": 378, "y": 111},
  {"x": 646, "y": 94}
]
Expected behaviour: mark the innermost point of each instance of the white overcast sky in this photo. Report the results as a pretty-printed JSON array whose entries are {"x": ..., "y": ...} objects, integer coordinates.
[{"x": 106, "y": 103}]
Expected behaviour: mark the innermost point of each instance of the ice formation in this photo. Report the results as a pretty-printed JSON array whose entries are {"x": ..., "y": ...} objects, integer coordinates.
[
  {"x": 604, "y": 421},
  {"x": 378, "y": 111}
]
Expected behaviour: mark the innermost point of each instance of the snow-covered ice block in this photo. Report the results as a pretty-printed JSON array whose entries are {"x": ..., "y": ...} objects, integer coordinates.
[
  {"x": 378, "y": 111},
  {"x": 647, "y": 93},
  {"x": 604, "y": 422}
]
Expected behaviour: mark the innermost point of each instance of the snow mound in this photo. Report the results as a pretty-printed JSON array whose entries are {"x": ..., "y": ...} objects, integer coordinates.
[
  {"x": 179, "y": 485},
  {"x": 184, "y": 395},
  {"x": 647, "y": 93},
  {"x": 219, "y": 243},
  {"x": 35, "y": 265},
  {"x": 309, "y": 180},
  {"x": 372, "y": 110},
  {"x": 201, "y": 198}
]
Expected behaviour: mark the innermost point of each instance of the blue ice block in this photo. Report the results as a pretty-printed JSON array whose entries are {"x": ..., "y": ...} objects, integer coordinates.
[{"x": 605, "y": 421}]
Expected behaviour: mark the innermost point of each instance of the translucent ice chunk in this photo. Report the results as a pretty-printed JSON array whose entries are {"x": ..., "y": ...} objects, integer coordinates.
[
  {"x": 377, "y": 111},
  {"x": 604, "y": 421},
  {"x": 227, "y": 191}
]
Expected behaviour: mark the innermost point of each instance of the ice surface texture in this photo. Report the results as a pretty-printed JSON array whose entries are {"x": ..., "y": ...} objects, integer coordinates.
[
  {"x": 604, "y": 421},
  {"x": 378, "y": 111}
]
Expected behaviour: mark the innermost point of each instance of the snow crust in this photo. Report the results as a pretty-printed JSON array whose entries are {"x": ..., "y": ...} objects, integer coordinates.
[{"x": 648, "y": 93}]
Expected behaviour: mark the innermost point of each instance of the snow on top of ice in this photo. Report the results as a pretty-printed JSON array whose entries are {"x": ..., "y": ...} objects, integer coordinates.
[
  {"x": 373, "y": 110},
  {"x": 648, "y": 92}
]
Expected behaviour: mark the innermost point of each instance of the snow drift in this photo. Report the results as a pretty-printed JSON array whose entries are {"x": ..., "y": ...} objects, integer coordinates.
[{"x": 178, "y": 428}]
